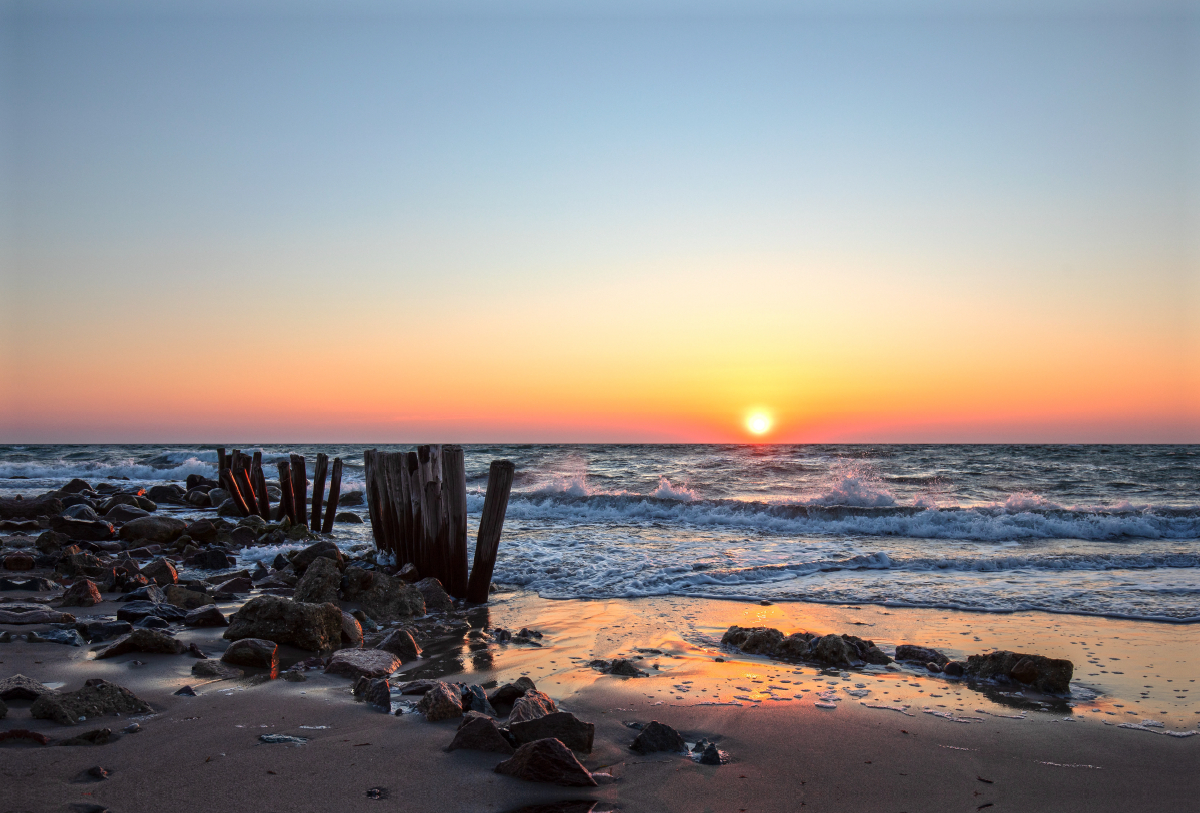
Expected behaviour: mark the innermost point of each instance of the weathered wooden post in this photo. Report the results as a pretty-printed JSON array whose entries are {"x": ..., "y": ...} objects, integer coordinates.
[
  {"x": 412, "y": 512},
  {"x": 287, "y": 506},
  {"x": 487, "y": 544},
  {"x": 299, "y": 488},
  {"x": 241, "y": 474},
  {"x": 370, "y": 464},
  {"x": 230, "y": 481},
  {"x": 318, "y": 490},
  {"x": 431, "y": 513},
  {"x": 335, "y": 491},
  {"x": 454, "y": 496},
  {"x": 260, "y": 489},
  {"x": 221, "y": 462}
]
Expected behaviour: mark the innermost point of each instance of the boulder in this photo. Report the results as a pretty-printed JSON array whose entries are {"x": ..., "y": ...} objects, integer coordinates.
[
  {"x": 142, "y": 640},
  {"x": 76, "y": 486},
  {"x": 348, "y": 517},
  {"x": 954, "y": 669},
  {"x": 321, "y": 550},
  {"x": 753, "y": 640},
  {"x": 441, "y": 702},
  {"x": 378, "y": 692},
  {"x": 371, "y": 663},
  {"x": 162, "y": 572},
  {"x": 96, "y": 698},
  {"x": 831, "y": 650},
  {"x": 480, "y": 733},
  {"x": 208, "y": 615},
  {"x": 161, "y": 530},
  {"x": 19, "y": 687},
  {"x": 254, "y": 652},
  {"x": 208, "y": 559},
  {"x": 546, "y": 761},
  {"x": 560, "y": 725},
  {"x": 381, "y": 596},
  {"x": 508, "y": 694},
  {"x": 320, "y": 582},
  {"x": 96, "y": 631},
  {"x": 197, "y": 498},
  {"x": 186, "y": 599},
  {"x": 89, "y": 530},
  {"x": 530, "y": 706},
  {"x": 78, "y": 565},
  {"x": 314, "y": 627},
  {"x": 409, "y": 574},
  {"x": 169, "y": 493},
  {"x": 82, "y": 593},
  {"x": 135, "y": 611},
  {"x": 202, "y": 530},
  {"x": 238, "y": 585},
  {"x": 35, "y": 616},
  {"x": 49, "y": 542},
  {"x": 475, "y": 699},
  {"x": 350, "y": 498},
  {"x": 352, "y": 634},
  {"x": 1049, "y": 675},
  {"x": 400, "y": 643},
  {"x": 920, "y": 654},
  {"x": 436, "y": 597},
  {"x": 125, "y": 513},
  {"x": 658, "y": 737},
  {"x": 18, "y": 561},
  {"x": 81, "y": 510},
  {"x": 148, "y": 592},
  {"x": 67, "y": 637}
]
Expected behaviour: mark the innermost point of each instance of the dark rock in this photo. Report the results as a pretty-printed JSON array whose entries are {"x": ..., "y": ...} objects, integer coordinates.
[
  {"x": 216, "y": 670},
  {"x": 378, "y": 693},
  {"x": 18, "y": 561},
  {"x": 625, "y": 668},
  {"x": 436, "y": 597},
  {"x": 19, "y": 687},
  {"x": 195, "y": 651},
  {"x": 91, "y": 530},
  {"x": 207, "y": 616},
  {"x": 933, "y": 667},
  {"x": 186, "y": 691},
  {"x": 125, "y": 513},
  {"x": 352, "y": 663},
  {"x": 508, "y": 694},
  {"x": 186, "y": 599},
  {"x": 197, "y": 499},
  {"x": 753, "y": 640},
  {"x": 320, "y": 582},
  {"x": 97, "y": 772},
  {"x": 321, "y": 550},
  {"x": 24, "y": 734},
  {"x": 920, "y": 654},
  {"x": 152, "y": 622},
  {"x": 409, "y": 574},
  {"x": 475, "y": 699},
  {"x": 832, "y": 650},
  {"x": 314, "y": 627},
  {"x": 1050, "y": 675},
  {"x": 208, "y": 559},
  {"x": 200, "y": 481},
  {"x": 142, "y": 640},
  {"x": 96, "y": 698},
  {"x": 52, "y": 541},
  {"x": 76, "y": 486},
  {"x": 162, "y": 572},
  {"x": 479, "y": 733},
  {"x": 350, "y": 498},
  {"x": 96, "y": 631},
  {"x": 202, "y": 530},
  {"x": 150, "y": 592},
  {"x": 352, "y": 634},
  {"x": 659, "y": 737},
  {"x": 36, "y": 584},
  {"x": 546, "y": 761},
  {"x": 254, "y": 652},
  {"x": 97, "y": 736},
  {"x": 161, "y": 530},
  {"x": 381, "y": 596},
  {"x": 35, "y": 616},
  {"x": 530, "y": 706},
  {"x": 711, "y": 755},
  {"x": 562, "y": 726},
  {"x": 243, "y": 536},
  {"x": 135, "y": 611},
  {"x": 82, "y": 593},
  {"x": 953, "y": 669},
  {"x": 364, "y": 621},
  {"x": 69, "y": 637},
  {"x": 348, "y": 517},
  {"x": 238, "y": 585},
  {"x": 81, "y": 510},
  {"x": 170, "y": 493},
  {"x": 441, "y": 702}
]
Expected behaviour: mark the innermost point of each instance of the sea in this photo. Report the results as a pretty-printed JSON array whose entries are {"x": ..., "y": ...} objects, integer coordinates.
[{"x": 1096, "y": 530}]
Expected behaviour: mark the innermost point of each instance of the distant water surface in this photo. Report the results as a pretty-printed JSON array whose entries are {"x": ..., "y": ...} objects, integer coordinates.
[{"x": 1106, "y": 530}]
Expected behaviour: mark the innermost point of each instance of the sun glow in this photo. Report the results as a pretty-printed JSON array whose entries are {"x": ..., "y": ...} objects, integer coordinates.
[{"x": 758, "y": 423}]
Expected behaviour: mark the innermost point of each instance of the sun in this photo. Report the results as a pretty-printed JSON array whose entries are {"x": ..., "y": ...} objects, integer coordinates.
[{"x": 758, "y": 423}]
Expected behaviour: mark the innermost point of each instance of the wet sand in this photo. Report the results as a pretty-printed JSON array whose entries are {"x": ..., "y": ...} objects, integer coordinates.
[{"x": 932, "y": 750}]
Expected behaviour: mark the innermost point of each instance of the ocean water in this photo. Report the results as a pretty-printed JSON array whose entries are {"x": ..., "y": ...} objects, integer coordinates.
[{"x": 1103, "y": 530}]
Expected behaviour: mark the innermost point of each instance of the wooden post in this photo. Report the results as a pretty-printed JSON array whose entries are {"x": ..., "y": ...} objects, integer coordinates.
[
  {"x": 231, "y": 485},
  {"x": 299, "y": 488},
  {"x": 260, "y": 488},
  {"x": 454, "y": 496},
  {"x": 397, "y": 533},
  {"x": 318, "y": 490},
  {"x": 487, "y": 544},
  {"x": 287, "y": 506},
  {"x": 431, "y": 513},
  {"x": 412, "y": 465},
  {"x": 221, "y": 463},
  {"x": 335, "y": 491},
  {"x": 370, "y": 462},
  {"x": 241, "y": 475}
]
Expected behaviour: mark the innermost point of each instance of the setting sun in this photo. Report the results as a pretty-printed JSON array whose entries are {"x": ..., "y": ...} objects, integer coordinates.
[{"x": 758, "y": 423}]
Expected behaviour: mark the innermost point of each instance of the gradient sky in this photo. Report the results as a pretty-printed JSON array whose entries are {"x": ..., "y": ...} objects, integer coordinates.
[{"x": 599, "y": 222}]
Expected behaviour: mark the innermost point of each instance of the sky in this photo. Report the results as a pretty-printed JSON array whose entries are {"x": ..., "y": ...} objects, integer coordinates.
[{"x": 599, "y": 222}]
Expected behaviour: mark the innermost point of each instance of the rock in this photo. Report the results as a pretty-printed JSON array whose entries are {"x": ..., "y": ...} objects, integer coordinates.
[
  {"x": 169, "y": 493},
  {"x": 753, "y": 640},
  {"x": 400, "y": 643},
  {"x": 150, "y": 592},
  {"x": 162, "y": 572},
  {"x": 508, "y": 694},
  {"x": 52, "y": 542},
  {"x": 381, "y": 596},
  {"x": 97, "y": 736},
  {"x": 35, "y": 617},
  {"x": 352, "y": 634},
  {"x": 81, "y": 510},
  {"x": 475, "y": 699},
  {"x": 441, "y": 702},
  {"x": 82, "y": 593},
  {"x": 436, "y": 597},
  {"x": 18, "y": 561},
  {"x": 320, "y": 582},
  {"x": 353, "y": 663},
  {"x": 254, "y": 652},
  {"x": 203, "y": 530},
  {"x": 314, "y": 627},
  {"x": 953, "y": 669},
  {"x": 68, "y": 637},
  {"x": 96, "y": 698},
  {"x": 625, "y": 668},
  {"x": 186, "y": 691},
  {"x": 76, "y": 486},
  {"x": 282, "y": 739},
  {"x": 135, "y": 611},
  {"x": 152, "y": 622},
  {"x": 142, "y": 640},
  {"x": 378, "y": 693},
  {"x": 560, "y": 725},
  {"x": 920, "y": 654},
  {"x": 479, "y": 733},
  {"x": 243, "y": 536},
  {"x": 198, "y": 499},
  {"x": 711, "y": 755},
  {"x": 216, "y": 670},
  {"x": 409, "y": 574},
  {"x": 658, "y": 737},
  {"x": 208, "y": 559},
  {"x": 348, "y": 517},
  {"x": 831, "y": 650},
  {"x": 365, "y": 621},
  {"x": 125, "y": 513},
  {"x": 186, "y": 599},
  {"x": 1050, "y": 675},
  {"x": 19, "y": 687},
  {"x": 546, "y": 761},
  {"x": 530, "y": 706},
  {"x": 86, "y": 529},
  {"x": 162, "y": 530},
  {"x": 795, "y": 646},
  {"x": 238, "y": 585},
  {"x": 96, "y": 631},
  {"x": 321, "y": 550},
  {"x": 79, "y": 565},
  {"x": 195, "y": 651},
  {"x": 24, "y": 734},
  {"x": 208, "y": 615},
  {"x": 350, "y": 498}
]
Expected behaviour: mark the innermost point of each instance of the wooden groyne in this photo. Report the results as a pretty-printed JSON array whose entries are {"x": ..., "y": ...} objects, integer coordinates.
[{"x": 242, "y": 476}]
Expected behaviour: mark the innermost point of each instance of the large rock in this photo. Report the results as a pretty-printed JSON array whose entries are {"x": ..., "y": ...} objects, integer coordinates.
[
  {"x": 96, "y": 698},
  {"x": 208, "y": 615},
  {"x": 135, "y": 611},
  {"x": 352, "y": 633},
  {"x": 381, "y": 596},
  {"x": 162, "y": 572},
  {"x": 208, "y": 559},
  {"x": 314, "y": 627},
  {"x": 480, "y": 733},
  {"x": 560, "y": 725},
  {"x": 530, "y": 706},
  {"x": 254, "y": 652},
  {"x": 87, "y": 529},
  {"x": 1050, "y": 675},
  {"x": 169, "y": 493},
  {"x": 216, "y": 670},
  {"x": 35, "y": 616},
  {"x": 508, "y": 694},
  {"x": 354, "y": 663},
  {"x": 52, "y": 542},
  {"x": 82, "y": 593},
  {"x": 441, "y": 702},
  {"x": 920, "y": 654},
  {"x": 753, "y": 640},
  {"x": 831, "y": 650},
  {"x": 320, "y": 582},
  {"x": 436, "y": 597},
  {"x": 19, "y": 687},
  {"x": 658, "y": 737},
  {"x": 203, "y": 530},
  {"x": 320, "y": 550},
  {"x": 18, "y": 561},
  {"x": 547, "y": 761},
  {"x": 186, "y": 599},
  {"x": 125, "y": 513},
  {"x": 400, "y": 643},
  {"x": 142, "y": 640},
  {"x": 162, "y": 530}
]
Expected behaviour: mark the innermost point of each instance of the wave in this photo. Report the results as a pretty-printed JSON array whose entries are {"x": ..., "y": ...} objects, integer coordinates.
[{"x": 171, "y": 466}]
